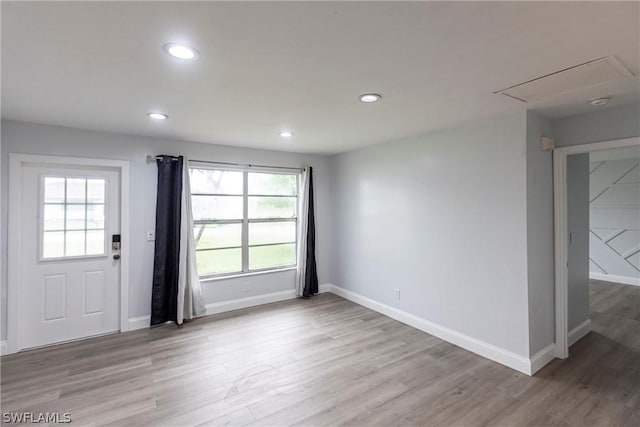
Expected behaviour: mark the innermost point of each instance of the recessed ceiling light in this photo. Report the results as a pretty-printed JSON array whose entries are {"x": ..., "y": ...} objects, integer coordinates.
[
  {"x": 599, "y": 101},
  {"x": 157, "y": 116},
  {"x": 180, "y": 51},
  {"x": 370, "y": 97},
  {"x": 286, "y": 134}
]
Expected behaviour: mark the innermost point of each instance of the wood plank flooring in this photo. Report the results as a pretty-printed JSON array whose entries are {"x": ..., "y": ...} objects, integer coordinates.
[{"x": 327, "y": 361}]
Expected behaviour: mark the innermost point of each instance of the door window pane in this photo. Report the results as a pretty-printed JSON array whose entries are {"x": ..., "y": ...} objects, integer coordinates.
[
  {"x": 75, "y": 217},
  {"x": 272, "y": 207},
  {"x": 95, "y": 216},
  {"x": 95, "y": 191},
  {"x": 54, "y": 189},
  {"x": 74, "y": 243},
  {"x": 262, "y": 233},
  {"x": 53, "y": 217},
  {"x": 76, "y": 190},
  {"x": 261, "y": 257},
  {"x": 53, "y": 244},
  {"x": 219, "y": 261}
]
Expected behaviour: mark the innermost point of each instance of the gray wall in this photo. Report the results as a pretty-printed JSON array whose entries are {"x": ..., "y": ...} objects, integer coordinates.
[
  {"x": 442, "y": 217},
  {"x": 540, "y": 239},
  {"x": 41, "y": 139},
  {"x": 578, "y": 228},
  {"x": 601, "y": 125}
]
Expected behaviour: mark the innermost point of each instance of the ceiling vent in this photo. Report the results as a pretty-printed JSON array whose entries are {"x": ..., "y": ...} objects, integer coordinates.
[{"x": 590, "y": 73}]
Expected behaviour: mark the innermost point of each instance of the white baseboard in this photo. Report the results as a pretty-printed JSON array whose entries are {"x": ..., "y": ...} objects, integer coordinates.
[
  {"x": 577, "y": 333},
  {"x": 141, "y": 322},
  {"x": 236, "y": 304},
  {"x": 541, "y": 358},
  {"x": 324, "y": 288},
  {"x": 240, "y": 303},
  {"x": 633, "y": 281},
  {"x": 3, "y": 348},
  {"x": 515, "y": 361}
]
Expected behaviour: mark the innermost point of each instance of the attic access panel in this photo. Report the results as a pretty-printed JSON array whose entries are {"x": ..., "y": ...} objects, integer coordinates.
[{"x": 588, "y": 74}]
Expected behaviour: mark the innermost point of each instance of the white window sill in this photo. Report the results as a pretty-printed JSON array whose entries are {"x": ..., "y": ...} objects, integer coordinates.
[{"x": 247, "y": 274}]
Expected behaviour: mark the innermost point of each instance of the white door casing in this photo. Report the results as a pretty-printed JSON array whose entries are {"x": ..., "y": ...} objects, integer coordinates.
[
  {"x": 561, "y": 237},
  {"x": 56, "y": 296}
]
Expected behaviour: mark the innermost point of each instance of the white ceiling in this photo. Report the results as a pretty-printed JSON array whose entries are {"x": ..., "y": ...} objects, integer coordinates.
[{"x": 265, "y": 67}]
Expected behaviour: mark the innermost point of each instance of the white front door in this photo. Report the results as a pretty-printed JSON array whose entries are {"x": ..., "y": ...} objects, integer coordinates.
[{"x": 70, "y": 273}]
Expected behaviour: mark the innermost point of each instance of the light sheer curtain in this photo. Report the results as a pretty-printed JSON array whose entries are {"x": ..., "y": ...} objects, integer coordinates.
[
  {"x": 303, "y": 225},
  {"x": 190, "y": 299}
]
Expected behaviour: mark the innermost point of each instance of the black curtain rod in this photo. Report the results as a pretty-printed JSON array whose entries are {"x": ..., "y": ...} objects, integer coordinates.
[{"x": 151, "y": 159}]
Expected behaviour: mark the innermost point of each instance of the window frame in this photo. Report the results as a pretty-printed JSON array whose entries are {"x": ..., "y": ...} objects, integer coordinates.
[{"x": 245, "y": 221}]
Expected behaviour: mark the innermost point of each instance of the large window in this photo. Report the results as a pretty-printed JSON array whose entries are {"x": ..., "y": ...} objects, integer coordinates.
[{"x": 244, "y": 221}]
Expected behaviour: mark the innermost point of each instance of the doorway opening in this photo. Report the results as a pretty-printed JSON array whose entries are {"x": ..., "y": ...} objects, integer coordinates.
[{"x": 593, "y": 222}]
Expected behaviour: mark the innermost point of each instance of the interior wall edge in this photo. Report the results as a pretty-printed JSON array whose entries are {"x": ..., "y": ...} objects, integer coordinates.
[{"x": 540, "y": 237}]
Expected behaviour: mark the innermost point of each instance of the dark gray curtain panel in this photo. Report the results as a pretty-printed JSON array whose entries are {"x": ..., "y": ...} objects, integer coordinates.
[
  {"x": 311, "y": 274},
  {"x": 166, "y": 261}
]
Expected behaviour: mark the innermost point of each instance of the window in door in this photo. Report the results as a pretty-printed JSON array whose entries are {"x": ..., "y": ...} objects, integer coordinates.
[{"x": 73, "y": 217}]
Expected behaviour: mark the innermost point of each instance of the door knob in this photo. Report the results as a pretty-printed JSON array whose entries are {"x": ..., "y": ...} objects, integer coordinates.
[{"x": 116, "y": 256}]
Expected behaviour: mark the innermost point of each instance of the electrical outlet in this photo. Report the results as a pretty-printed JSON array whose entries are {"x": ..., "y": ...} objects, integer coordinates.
[
  {"x": 247, "y": 288},
  {"x": 151, "y": 236},
  {"x": 396, "y": 293}
]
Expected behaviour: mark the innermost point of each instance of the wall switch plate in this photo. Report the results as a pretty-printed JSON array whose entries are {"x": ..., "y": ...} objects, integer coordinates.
[
  {"x": 396, "y": 294},
  {"x": 151, "y": 236}
]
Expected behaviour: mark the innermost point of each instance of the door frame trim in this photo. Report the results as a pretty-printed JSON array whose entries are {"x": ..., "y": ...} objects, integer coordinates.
[
  {"x": 14, "y": 244},
  {"x": 561, "y": 247}
]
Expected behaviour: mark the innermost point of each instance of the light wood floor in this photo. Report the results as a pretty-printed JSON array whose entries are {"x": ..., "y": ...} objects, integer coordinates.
[{"x": 328, "y": 361}]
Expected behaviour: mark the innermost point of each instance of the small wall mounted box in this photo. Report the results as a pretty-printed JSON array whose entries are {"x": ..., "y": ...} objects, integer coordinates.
[{"x": 547, "y": 144}]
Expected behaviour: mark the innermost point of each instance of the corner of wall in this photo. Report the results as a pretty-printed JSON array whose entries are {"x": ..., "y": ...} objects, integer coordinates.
[{"x": 540, "y": 238}]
